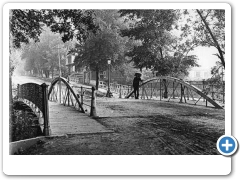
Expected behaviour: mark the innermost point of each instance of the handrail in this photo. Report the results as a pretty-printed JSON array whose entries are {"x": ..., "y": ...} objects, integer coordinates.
[
  {"x": 69, "y": 92},
  {"x": 183, "y": 83}
]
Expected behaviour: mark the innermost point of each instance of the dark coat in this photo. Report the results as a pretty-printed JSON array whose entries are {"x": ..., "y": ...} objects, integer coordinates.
[{"x": 136, "y": 82}]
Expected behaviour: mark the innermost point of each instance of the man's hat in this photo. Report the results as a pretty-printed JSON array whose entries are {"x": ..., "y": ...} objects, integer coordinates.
[{"x": 136, "y": 74}]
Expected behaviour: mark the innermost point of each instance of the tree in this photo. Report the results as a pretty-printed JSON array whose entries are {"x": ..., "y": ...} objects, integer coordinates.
[
  {"x": 26, "y": 24},
  {"x": 217, "y": 32},
  {"x": 205, "y": 28},
  {"x": 105, "y": 45},
  {"x": 160, "y": 50},
  {"x": 150, "y": 27},
  {"x": 43, "y": 56}
]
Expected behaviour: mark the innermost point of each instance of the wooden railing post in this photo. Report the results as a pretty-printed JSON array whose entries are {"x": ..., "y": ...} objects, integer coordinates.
[
  {"x": 93, "y": 111},
  {"x": 151, "y": 91},
  {"x": 60, "y": 89},
  {"x": 120, "y": 91},
  {"x": 182, "y": 93},
  {"x": 46, "y": 128},
  {"x": 173, "y": 90},
  {"x": 160, "y": 89},
  {"x": 81, "y": 95}
]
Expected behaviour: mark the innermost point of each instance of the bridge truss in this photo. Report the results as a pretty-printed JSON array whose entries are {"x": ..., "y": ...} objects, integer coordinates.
[
  {"x": 80, "y": 97},
  {"x": 166, "y": 88}
]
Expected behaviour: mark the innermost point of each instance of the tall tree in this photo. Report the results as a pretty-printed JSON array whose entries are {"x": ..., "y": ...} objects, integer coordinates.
[
  {"x": 44, "y": 55},
  {"x": 105, "y": 45},
  {"x": 151, "y": 28},
  {"x": 26, "y": 24},
  {"x": 159, "y": 50},
  {"x": 215, "y": 30},
  {"x": 205, "y": 28}
]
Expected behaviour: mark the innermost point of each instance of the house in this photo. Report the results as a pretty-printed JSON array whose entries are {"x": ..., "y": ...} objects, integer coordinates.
[
  {"x": 199, "y": 74},
  {"x": 82, "y": 75}
]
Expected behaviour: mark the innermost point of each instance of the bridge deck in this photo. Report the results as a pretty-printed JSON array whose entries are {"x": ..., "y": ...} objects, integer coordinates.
[{"x": 67, "y": 120}]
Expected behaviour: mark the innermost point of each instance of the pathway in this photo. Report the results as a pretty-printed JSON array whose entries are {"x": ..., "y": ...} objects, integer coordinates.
[{"x": 67, "y": 120}]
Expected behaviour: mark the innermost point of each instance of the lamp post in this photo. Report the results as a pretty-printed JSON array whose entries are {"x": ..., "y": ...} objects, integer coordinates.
[{"x": 108, "y": 91}]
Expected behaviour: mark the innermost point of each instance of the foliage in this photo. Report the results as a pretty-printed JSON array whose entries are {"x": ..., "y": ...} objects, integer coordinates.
[
  {"x": 205, "y": 28},
  {"x": 44, "y": 55},
  {"x": 160, "y": 50},
  {"x": 15, "y": 59},
  {"x": 71, "y": 23},
  {"x": 217, "y": 75},
  {"x": 106, "y": 44},
  {"x": 21, "y": 126},
  {"x": 26, "y": 24}
]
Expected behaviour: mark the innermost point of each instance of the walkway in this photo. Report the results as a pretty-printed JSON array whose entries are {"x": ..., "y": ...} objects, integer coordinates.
[{"x": 67, "y": 120}]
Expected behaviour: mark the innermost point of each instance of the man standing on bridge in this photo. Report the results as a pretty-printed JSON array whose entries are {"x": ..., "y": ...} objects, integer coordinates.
[{"x": 136, "y": 83}]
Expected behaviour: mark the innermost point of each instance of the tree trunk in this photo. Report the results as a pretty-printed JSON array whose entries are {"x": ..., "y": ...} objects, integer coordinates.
[
  {"x": 46, "y": 72},
  {"x": 52, "y": 70},
  {"x": 165, "y": 94},
  {"x": 97, "y": 78},
  {"x": 214, "y": 39}
]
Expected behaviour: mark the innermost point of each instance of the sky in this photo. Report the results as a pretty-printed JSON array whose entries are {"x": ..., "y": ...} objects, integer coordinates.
[{"x": 206, "y": 57}]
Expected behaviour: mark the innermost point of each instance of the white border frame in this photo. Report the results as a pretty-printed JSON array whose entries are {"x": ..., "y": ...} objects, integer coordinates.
[{"x": 114, "y": 165}]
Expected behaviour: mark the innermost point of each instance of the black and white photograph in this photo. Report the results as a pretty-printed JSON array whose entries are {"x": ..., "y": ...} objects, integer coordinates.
[{"x": 117, "y": 81}]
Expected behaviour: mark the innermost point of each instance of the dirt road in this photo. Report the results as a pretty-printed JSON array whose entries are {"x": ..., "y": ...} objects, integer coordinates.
[{"x": 144, "y": 127}]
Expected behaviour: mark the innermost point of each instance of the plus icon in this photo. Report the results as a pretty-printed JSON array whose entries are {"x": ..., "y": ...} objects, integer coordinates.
[{"x": 227, "y": 145}]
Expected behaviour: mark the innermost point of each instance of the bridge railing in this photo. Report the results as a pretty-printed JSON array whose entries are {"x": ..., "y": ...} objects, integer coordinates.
[
  {"x": 76, "y": 77},
  {"x": 87, "y": 97},
  {"x": 120, "y": 89},
  {"x": 36, "y": 96},
  {"x": 169, "y": 88},
  {"x": 82, "y": 98},
  {"x": 215, "y": 90}
]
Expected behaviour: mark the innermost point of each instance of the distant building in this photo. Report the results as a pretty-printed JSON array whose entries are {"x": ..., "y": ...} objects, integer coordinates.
[
  {"x": 198, "y": 74},
  {"x": 82, "y": 75},
  {"x": 70, "y": 63}
]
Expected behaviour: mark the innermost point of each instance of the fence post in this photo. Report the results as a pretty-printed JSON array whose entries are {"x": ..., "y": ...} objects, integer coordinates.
[
  {"x": 182, "y": 92},
  {"x": 46, "y": 128},
  {"x": 203, "y": 83},
  {"x": 173, "y": 90},
  {"x": 93, "y": 111},
  {"x": 60, "y": 89},
  {"x": 151, "y": 91},
  {"x": 212, "y": 92},
  {"x": 81, "y": 95},
  {"x": 160, "y": 89},
  {"x": 120, "y": 91}
]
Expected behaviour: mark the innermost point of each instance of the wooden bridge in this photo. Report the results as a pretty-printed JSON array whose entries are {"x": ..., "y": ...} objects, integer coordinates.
[
  {"x": 166, "y": 88},
  {"x": 62, "y": 108},
  {"x": 68, "y": 109}
]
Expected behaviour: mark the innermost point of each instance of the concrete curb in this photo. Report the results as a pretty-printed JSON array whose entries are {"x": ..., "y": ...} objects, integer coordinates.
[
  {"x": 15, "y": 147},
  {"x": 18, "y": 146}
]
